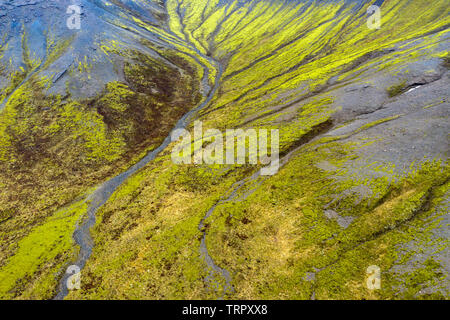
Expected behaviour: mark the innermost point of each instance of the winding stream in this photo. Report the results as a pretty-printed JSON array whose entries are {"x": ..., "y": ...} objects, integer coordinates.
[
  {"x": 213, "y": 268},
  {"x": 232, "y": 197},
  {"x": 98, "y": 198}
]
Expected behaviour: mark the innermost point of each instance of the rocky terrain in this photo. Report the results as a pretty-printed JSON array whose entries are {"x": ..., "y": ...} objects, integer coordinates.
[{"x": 87, "y": 178}]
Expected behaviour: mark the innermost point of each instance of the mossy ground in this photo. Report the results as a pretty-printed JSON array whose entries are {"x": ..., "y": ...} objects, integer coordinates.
[
  {"x": 273, "y": 236},
  {"x": 54, "y": 148},
  {"x": 269, "y": 241},
  {"x": 46, "y": 250}
]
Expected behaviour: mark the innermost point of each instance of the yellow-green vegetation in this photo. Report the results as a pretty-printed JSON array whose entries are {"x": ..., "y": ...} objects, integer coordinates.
[
  {"x": 55, "y": 49},
  {"x": 279, "y": 57},
  {"x": 270, "y": 240},
  {"x": 279, "y": 234},
  {"x": 53, "y": 148},
  {"x": 33, "y": 272},
  {"x": 446, "y": 59},
  {"x": 288, "y": 50},
  {"x": 396, "y": 89},
  {"x": 30, "y": 63},
  {"x": 15, "y": 79},
  {"x": 154, "y": 218},
  {"x": 310, "y": 231}
]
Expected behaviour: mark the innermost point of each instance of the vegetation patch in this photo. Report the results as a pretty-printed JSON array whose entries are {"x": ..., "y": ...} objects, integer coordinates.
[{"x": 396, "y": 89}]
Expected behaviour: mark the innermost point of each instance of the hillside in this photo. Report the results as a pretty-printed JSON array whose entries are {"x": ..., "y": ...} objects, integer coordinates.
[{"x": 87, "y": 177}]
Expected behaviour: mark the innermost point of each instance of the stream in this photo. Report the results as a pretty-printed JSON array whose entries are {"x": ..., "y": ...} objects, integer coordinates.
[
  {"x": 213, "y": 268},
  {"x": 98, "y": 198}
]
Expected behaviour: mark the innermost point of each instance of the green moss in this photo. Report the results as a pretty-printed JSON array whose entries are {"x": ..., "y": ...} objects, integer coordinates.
[
  {"x": 89, "y": 126},
  {"x": 116, "y": 94},
  {"x": 270, "y": 233},
  {"x": 446, "y": 60},
  {"x": 56, "y": 49},
  {"x": 5, "y": 215},
  {"x": 15, "y": 79},
  {"x": 48, "y": 248},
  {"x": 396, "y": 89},
  {"x": 30, "y": 63}
]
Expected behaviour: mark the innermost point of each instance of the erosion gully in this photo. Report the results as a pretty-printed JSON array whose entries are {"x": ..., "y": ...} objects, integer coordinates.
[
  {"x": 238, "y": 192},
  {"x": 101, "y": 195},
  {"x": 214, "y": 269}
]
